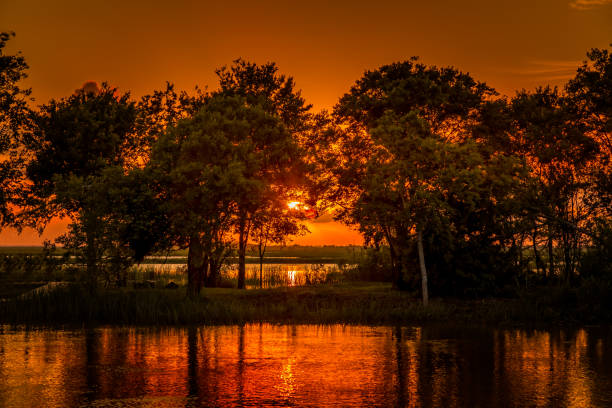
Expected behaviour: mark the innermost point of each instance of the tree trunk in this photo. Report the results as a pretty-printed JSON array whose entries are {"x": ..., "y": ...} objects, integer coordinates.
[
  {"x": 204, "y": 272},
  {"x": 243, "y": 238},
  {"x": 397, "y": 262},
  {"x": 195, "y": 266},
  {"x": 91, "y": 259},
  {"x": 536, "y": 254},
  {"x": 568, "y": 267},
  {"x": 261, "y": 272},
  {"x": 261, "y": 261},
  {"x": 91, "y": 256},
  {"x": 422, "y": 266},
  {"x": 551, "y": 255},
  {"x": 213, "y": 273},
  {"x": 394, "y": 261}
]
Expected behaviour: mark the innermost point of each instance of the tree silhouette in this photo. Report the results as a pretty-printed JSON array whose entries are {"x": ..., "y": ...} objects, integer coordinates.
[
  {"x": 277, "y": 164},
  {"x": 14, "y": 117},
  {"x": 74, "y": 141}
]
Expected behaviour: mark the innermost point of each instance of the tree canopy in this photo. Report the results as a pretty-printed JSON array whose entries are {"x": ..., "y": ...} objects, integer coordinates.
[{"x": 462, "y": 191}]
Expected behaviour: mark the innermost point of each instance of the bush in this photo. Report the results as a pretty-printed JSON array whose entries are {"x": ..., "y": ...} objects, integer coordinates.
[
  {"x": 596, "y": 262},
  {"x": 373, "y": 265}
]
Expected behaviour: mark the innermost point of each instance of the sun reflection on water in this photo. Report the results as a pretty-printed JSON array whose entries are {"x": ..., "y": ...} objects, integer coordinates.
[
  {"x": 286, "y": 386},
  {"x": 291, "y": 278}
]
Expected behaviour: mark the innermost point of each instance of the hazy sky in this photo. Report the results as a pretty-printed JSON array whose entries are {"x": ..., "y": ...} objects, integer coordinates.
[{"x": 324, "y": 45}]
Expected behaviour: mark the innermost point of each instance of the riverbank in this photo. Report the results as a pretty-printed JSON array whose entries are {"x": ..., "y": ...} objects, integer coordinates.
[{"x": 354, "y": 303}]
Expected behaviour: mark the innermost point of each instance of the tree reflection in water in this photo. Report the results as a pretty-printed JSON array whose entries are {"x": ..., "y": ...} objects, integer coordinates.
[{"x": 273, "y": 365}]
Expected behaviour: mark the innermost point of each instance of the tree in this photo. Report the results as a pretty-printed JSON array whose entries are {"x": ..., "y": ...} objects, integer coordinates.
[
  {"x": 14, "y": 113},
  {"x": 408, "y": 164},
  {"x": 558, "y": 153},
  {"x": 161, "y": 109},
  {"x": 274, "y": 225},
  {"x": 278, "y": 165},
  {"x": 213, "y": 166},
  {"x": 590, "y": 93},
  {"x": 73, "y": 142}
]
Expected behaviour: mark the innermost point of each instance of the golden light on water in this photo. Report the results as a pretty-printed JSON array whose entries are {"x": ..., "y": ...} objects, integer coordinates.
[
  {"x": 291, "y": 277},
  {"x": 290, "y": 365}
]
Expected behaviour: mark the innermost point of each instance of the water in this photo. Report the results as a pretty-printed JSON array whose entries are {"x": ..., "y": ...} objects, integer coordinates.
[
  {"x": 274, "y": 275},
  {"x": 305, "y": 365}
]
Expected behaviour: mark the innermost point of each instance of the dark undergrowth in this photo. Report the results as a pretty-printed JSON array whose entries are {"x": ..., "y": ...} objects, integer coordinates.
[{"x": 354, "y": 303}]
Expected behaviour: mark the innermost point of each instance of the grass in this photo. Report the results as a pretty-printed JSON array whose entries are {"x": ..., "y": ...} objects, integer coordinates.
[{"x": 350, "y": 303}]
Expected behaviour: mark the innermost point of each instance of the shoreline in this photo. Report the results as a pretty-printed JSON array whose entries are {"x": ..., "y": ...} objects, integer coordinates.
[{"x": 352, "y": 304}]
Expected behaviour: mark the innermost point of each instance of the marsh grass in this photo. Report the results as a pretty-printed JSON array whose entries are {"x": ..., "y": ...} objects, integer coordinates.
[
  {"x": 161, "y": 274},
  {"x": 274, "y": 275},
  {"x": 354, "y": 303},
  {"x": 277, "y": 275},
  {"x": 315, "y": 304}
]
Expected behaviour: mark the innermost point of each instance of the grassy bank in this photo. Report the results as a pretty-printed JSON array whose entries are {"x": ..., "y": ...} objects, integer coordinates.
[{"x": 355, "y": 303}]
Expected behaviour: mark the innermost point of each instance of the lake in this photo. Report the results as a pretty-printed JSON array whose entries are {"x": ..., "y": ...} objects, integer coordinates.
[
  {"x": 272, "y": 275},
  {"x": 306, "y": 365}
]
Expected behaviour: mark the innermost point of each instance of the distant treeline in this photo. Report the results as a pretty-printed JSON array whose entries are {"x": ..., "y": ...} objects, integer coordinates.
[{"x": 456, "y": 189}]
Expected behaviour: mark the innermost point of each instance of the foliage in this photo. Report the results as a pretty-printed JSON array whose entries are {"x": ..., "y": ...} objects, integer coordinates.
[
  {"x": 452, "y": 187},
  {"x": 218, "y": 164},
  {"x": 160, "y": 110},
  {"x": 40, "y": 267},
  {"x": 272, "y": 226},
  {"x": 596, "y": 262},
  {"x": 14, "y": 113},
  {"x": 374, "y": 265},
  {"x": 411, "y": 165},
  {"x": 278, "y": 164},
  {"x": 590, "y": 92},
  {"x": 79, "y": 145},
  {"x": 262, "y": 85}
]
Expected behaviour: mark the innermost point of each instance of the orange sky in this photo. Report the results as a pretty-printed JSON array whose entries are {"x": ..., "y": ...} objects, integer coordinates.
[{"x": 325, "y": 45}]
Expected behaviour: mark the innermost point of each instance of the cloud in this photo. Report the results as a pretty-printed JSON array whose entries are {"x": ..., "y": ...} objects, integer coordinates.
[
  {"x": 588, "y": 4},
  {"x": 548, "y": 69}
]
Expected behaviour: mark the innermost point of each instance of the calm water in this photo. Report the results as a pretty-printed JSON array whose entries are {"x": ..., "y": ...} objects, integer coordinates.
[
  {"x": 274, "y": 275},
  {"x": 268, "y": 365}
]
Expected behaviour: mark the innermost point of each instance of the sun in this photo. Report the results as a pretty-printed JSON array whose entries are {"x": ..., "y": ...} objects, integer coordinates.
[{"x": 294, "y": 205}]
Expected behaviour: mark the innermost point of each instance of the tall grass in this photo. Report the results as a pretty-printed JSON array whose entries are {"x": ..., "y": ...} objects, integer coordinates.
[
  {"x": 161, "y": 274},
  {"x": 274, "y": 275},
  {"x": 326, "y": 304},
  {"x": 356, "y": 303}
]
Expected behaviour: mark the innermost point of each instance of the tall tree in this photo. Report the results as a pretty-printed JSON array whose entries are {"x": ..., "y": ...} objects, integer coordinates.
[
  {"x": 162, "y": 109},
  {"x": 73, "y": 142},
  {"x": 408, "y": 161},
  {"x": 558, "y": 153},
  {"x": 590, "y": 93},
  {"x": 214, "y": 166},
  {"x": 277, "y": 164}
]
